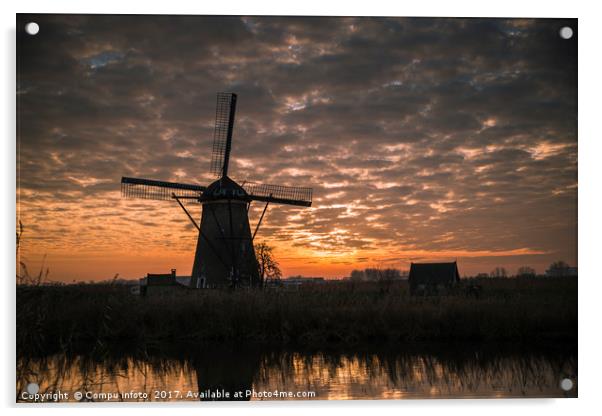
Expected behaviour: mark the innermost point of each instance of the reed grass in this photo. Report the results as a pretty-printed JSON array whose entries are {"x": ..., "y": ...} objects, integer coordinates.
[{"x": 516, "y": 310}]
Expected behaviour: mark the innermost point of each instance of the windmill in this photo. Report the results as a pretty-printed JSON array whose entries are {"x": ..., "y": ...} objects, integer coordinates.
[{"x": 224, "y": 252}]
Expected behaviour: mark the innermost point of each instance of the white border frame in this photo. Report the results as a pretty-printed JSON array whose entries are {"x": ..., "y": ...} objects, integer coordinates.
[{"x": 589, "y": 196}]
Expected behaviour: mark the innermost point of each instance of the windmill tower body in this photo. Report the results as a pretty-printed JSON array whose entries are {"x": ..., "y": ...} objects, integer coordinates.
[{"x": 224, "y": 253}]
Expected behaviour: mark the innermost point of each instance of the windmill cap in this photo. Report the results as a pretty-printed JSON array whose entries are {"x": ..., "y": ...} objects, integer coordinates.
[{"x": 224, "y": 188}]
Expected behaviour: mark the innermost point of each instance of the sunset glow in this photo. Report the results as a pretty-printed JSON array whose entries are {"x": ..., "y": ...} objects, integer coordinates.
[{"x": 420, "y": 139}]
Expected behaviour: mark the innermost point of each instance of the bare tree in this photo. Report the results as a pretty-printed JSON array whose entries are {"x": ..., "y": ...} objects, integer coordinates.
[
  {"x": 559, "y": 268},
  {"x": 375, "y": 274},
  {"x": 269, "y": 269},
  {"x": 357, "y": 275},
  {"x": 498, "y": 272},
  {"x": 525, "y": 271}
]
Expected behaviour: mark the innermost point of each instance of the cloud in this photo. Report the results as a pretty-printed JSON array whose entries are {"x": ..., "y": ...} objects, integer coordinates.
[{"x": 417, "y": 134}]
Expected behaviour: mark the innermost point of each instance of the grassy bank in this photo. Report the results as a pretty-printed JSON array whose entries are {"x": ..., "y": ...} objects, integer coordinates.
[{"x": 532, "y": 310}]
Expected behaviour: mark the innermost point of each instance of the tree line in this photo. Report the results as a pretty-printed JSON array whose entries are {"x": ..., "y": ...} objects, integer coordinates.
[{"x": 375, "y": 274}]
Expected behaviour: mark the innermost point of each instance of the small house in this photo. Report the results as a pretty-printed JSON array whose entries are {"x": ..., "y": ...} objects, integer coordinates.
[
  {"x": 161, "y": 279},
  {"x": 433, "y": 278},
  {"x": 161, "y": 283}
]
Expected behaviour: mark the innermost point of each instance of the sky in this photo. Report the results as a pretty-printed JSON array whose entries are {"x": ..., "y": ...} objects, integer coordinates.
[{"x": 424, "y": 139}]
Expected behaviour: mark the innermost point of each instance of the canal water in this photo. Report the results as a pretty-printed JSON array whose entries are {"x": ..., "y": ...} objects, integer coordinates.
[{"x": 189, "y": 373}]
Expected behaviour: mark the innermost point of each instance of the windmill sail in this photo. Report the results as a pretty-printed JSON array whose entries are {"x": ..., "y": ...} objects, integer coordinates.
[
  {"x": 158, "y": 190},
  {"x": 290, "y": 195},
  {"x": 222, "y": 136}
]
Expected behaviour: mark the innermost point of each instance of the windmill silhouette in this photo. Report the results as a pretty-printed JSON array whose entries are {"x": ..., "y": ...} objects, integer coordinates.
[{"x": 224, "y": 253}]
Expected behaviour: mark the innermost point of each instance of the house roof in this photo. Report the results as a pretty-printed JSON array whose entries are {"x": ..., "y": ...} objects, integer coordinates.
[{"x": 433, "y": 273}]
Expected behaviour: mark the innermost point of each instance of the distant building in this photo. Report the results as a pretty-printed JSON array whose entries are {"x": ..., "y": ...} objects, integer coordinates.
[
  {"x": 183, "y": 280},
  {"x": 162, "y": 282},
  {"x": 161, "y": 279},
  {"x": 562, "y": 272},
  {"x": 299, "y": 280},
  {"x": 433, "y": 278}
]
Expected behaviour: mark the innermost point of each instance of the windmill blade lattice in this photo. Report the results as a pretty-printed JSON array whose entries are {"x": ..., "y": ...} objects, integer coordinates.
[
  {"x": 290, "y": 195},
  {"x": 222, "y": 136},
  {"x": 158, "y": 190}
]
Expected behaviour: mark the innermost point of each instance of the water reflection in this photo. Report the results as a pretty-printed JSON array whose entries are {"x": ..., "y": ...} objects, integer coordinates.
[
  {"x": 226, "y": 371},
  {"x": 257, "y": 374}
]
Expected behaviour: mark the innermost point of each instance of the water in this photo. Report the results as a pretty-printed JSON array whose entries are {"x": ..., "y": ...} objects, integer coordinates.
[{"x": 189, "y": 373}]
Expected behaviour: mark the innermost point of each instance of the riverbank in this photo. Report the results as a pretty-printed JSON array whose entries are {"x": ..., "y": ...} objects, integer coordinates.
[{"x": 514, "y": 310}]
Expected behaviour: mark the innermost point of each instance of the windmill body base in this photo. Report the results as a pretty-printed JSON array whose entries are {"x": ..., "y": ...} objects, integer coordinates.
[{"x": 224, "y": 256}]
